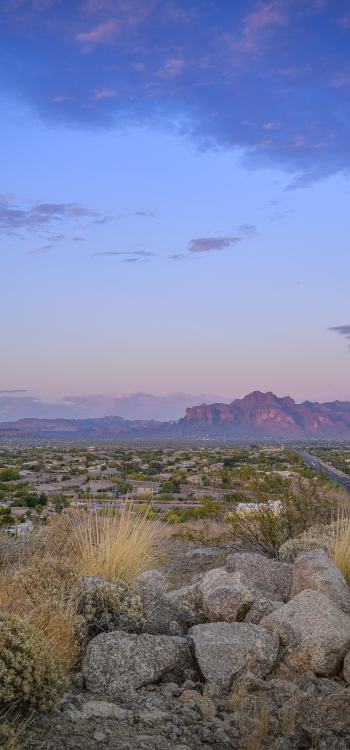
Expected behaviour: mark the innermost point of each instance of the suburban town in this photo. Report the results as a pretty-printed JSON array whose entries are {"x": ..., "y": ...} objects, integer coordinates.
[{"x": 181, "y": 483}]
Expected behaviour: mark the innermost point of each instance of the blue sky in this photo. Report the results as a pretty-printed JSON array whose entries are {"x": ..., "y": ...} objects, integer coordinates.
[{"x": 174, "y": 202}]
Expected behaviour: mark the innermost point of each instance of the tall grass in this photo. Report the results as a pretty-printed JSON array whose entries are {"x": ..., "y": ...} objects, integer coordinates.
[
  {"x": 341, "y": 547},
  {"x": 116, "y": 546}
]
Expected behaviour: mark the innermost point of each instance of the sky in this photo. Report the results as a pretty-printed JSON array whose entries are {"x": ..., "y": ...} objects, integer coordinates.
[{"x": 174, "y": 204}]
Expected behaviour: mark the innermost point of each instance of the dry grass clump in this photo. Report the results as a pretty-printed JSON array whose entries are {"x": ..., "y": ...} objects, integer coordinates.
[
  {"x": 116, "y": 546},
  {"x": 341, "y": 547},
  {"x": 30, "y": 676},
  {"x": 260, "y": 724}
]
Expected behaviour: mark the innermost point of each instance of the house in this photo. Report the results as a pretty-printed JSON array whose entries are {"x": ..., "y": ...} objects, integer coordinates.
[
  {"x": 21, "y": 529},
  {"x": 110, "y": 473}
]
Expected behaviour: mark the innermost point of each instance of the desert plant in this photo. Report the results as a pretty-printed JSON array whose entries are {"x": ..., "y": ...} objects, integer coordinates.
[
  {"x": 8, "y": 736},
  {"x": 103, "y": 605},
  {"x": 267, "y": 526},
  {"x": 42, "y": 591},
  {"x": 30, "y": 676},
  {"x": 320, "y": 536},
  {"x": 116, "y": 547}
]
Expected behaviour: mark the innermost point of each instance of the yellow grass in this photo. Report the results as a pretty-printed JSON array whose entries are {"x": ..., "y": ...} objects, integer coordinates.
[
  {"x": 341, "y": 547},
  {"x": 261, "y": 723},
  {"x": 116, "y": 546}
]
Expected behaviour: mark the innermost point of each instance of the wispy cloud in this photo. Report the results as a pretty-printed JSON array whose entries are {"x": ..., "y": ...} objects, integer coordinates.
[
  {"x": 248, "y": 230},
  {"x": 103, "y": 33},
  {"x": 177, "y": 256},
  {"x": 137, "y": 253},
  {"x": 210, "y": 244},
  {"x": 145, "y": 213},
  {"x": 342, "y": 330},
  {"x": 100, "y": 94},
  {"x": 257, "y": 24},
  {"x": 13, "y": 391},
  {"x": 13, "y": 216},
  {"x": 42, "y": 249}
]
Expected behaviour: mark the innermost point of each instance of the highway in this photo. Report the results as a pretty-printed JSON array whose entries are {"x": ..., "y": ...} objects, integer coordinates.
[{"x": 319, "y": 465}]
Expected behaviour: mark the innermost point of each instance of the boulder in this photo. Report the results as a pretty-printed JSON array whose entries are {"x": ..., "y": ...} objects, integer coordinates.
[
  {"x": 326, "y": 714},
  {"x": 260, "y": 573},
  {"x": 224, "y": 595},
  {"x": 188, "y": 602},
  {"x": 227, "y": 651},
  {"x": 150, "y": 581},
  {"x": 315, "y": 632},
  {"x": 261, "y": 608},
  {"x": 347, "y": 668},
  {"x": 314, "y": 570},
  {"x": 118, "y": 663},
  {"x": 172, "y": 612}
]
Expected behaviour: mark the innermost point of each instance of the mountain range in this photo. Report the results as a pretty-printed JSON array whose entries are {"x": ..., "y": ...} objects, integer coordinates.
[{"x": 258, "y": 416}]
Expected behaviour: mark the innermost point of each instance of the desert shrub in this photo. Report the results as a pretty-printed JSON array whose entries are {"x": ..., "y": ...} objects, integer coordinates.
[
  {"x": 105, "y": 606},
  {"x": 29, "y": 674},
  {"x": 268, "y": 526},
  {"x": 8, "y": 736},
  {"x": 316, "y": 537},
  {"x": 42, "y": 591},
  {"x": 116, "y": 547},
  {"x": 172, "y": 517},
  {"x": 44, "y": 577}
]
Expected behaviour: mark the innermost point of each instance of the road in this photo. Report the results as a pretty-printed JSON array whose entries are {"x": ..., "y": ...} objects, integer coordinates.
[{"x": 319, "y": 465}]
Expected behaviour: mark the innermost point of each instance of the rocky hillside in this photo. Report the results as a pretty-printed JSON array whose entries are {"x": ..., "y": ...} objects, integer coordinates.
[{"x": 252, "y": 654}]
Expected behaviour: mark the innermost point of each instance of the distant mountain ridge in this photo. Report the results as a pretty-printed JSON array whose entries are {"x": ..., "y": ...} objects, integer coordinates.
[
  {"x": 264, "y": 414},
  {"x": 256, "y": 416}
]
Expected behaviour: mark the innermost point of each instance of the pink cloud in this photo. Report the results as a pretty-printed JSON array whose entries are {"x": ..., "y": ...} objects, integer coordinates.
[
  {"x": 256, "y": 25},
  {"x": 130, "y": 13},
  {"x": 273, "y": 125},
  {"x": 269, "y": 15},
  {"x": 104, "y": 33},
  {"x": 100, "y": 94},
  {"x": 298, "y": 141},
  {"x": 35, "y": 5},
  {"x": 208, "y": 244},
  {"x": 172, "y": 67}
]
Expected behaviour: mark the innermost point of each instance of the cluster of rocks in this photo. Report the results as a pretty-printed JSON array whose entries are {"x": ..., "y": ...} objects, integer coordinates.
[{"x": 254, "y": 651}]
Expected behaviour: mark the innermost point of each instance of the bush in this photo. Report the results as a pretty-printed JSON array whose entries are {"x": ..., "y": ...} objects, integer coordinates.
[
  {"x": 29, "y": 674},
  {"x": 9, "y": 475},
  {"x": 8, "y": 736},
  {"x": 267, "y": 527},
  {"x": 105, "y": 606},
  {"x": 316, "y": 537},
  {"x": 172, "y": 517},
  {"x": 42, "y": 591}
]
